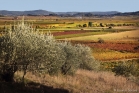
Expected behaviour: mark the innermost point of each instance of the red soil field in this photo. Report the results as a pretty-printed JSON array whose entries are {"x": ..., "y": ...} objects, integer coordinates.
[{"x": 117, "y": 46}]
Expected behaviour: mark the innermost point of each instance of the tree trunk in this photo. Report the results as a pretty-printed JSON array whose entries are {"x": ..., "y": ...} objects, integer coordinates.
[{"x": 8, "y": 72}]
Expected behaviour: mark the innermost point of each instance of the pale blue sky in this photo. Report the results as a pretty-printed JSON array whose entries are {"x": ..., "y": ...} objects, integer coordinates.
[{"x": 71, "y": 5}]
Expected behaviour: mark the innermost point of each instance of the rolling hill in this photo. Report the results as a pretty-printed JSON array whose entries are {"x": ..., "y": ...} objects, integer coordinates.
[{"x": 71, "y": 14}]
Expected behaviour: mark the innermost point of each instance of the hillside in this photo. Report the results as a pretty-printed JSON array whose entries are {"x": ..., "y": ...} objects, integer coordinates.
[
  {"x": 17, "y": 13},
  {"x": 128, "y": 14},
  {"x": 44, "y": 12}
]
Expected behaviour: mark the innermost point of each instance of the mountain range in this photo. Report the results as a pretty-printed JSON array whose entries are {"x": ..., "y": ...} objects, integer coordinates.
[{"x": 44, "y": 12}]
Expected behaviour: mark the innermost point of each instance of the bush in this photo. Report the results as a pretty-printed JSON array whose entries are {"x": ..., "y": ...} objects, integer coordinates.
[
  {"x": 102, "y": 25},
  {"x": 126, "y": 69},
  {"x": 79, "y": 56},
  {"x": 110, "y": 27},
  {"x": 28, "y": 50},
  {"x": 122, "y": 69},
  {"x": 100, "y": 40},
  {"x": 84, "y": 25},
  {"x": 90, "y": 24},
  {"x": 80, "y": 25}
]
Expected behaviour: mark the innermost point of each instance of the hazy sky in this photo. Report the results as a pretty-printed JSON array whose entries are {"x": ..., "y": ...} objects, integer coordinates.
[{"x": 71, "y": 5}]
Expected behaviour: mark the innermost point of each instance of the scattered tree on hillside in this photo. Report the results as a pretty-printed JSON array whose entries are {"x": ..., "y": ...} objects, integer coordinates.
[
  {"x": 84, "y": 25},
  {"x": 101, "y": 24},
  {"x": 90, "y": 24}
]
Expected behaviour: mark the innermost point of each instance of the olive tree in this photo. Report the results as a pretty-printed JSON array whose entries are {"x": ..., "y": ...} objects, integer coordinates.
[{"x": 25, "y": 49}]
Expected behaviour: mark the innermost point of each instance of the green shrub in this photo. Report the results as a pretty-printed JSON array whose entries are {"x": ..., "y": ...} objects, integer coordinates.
[
  {"x": 100, "y": 40},
  {"x": 90, "y": 24},
  {"x": 127, "y": 69},
  {"x": 102, "y": 25},
  {"x": 80, "y": 25},
  {"x": 84, "y": 25},
  {"x": 109, "y": 27},
  {"x": 79, "y": 56},
  {"x": 122, "y": 69}
]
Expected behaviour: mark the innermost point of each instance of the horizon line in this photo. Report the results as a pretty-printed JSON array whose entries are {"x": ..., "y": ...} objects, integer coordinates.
[{"x": 69, "y": 11}]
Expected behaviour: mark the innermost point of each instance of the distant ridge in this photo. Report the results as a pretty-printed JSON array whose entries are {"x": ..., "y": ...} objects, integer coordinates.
[
  {"x": 44, "y": 12},
  {"x": 31, "y": 12},
  {"x": 128, "y": 13}
]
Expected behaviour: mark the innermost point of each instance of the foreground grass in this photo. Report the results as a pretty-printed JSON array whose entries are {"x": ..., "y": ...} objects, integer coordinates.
[
  {"x": 84, "y": 82},
  {"x": 30, "y": 87}
]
